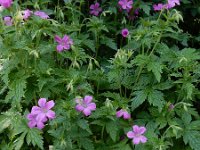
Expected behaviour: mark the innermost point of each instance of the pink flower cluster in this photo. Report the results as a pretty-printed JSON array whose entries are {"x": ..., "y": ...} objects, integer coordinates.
[
  {"x": 64, "y": 43},
  {"x": 25, "y": 15},
  {"x": 136, "y": 133},
  {"x": 170, "y": 4},
  {"x": 6, "y": 3},
  {"x": 39, "y": 115},
  {"x": 86, "y": 106}
]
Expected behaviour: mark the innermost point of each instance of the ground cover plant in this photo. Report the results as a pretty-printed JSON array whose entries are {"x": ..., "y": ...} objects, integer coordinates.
[{"x": 99, "y": 74}]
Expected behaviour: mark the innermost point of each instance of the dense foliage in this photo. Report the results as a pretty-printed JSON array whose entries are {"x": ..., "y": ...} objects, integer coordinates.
[{"x": 103, "y": 75}]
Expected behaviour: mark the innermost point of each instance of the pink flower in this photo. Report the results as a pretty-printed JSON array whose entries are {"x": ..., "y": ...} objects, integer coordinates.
[
  {"x": 34, "y": 122},
  {"x": 26, "y": 14},
  {"x": 85, "y": 105},
  {"x": 7, "y": 21},
  {"x": 39, "y": 115},
  {"x": 95, "y": 9},
  {"x": 6, "y": 3},
  {"x": 126, "y": 4},
  {"x": 44, "y": 110},
  {"x": 173, "y": 3},
  {"x": 158, "y": 7},
  {"x": 41, "y": 14},
  {"x": 123, "y": 113},
  {"x": 125, "y": 32},
  {"x": 63, "y": 43},
  {"x": 136, "y": 134}
]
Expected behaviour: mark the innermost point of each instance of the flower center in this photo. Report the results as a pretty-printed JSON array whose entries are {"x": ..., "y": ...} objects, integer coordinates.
[{"x": 44, "y": 110}]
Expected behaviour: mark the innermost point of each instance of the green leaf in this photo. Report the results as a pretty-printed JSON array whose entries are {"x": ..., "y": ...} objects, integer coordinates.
[
  {"x": 139, "y": 98},
  {"x": 17, "y": 87},
  {"x": 186, "y": 117},
  {"x": 112, "y": 128},
  {"x": 84, "y": 125},
  {"x": 145, "y": 8},
  {"x": 90, "y": 44},
  {"x": 188, "y": 54},
  {"x": 5, "y": 122},
  {"x": 109, "y": 42},
  {"x": 122, "y": 145},
  {"x": 87, "y": 144},
  {"x": 188, "y": 87},
  {"x": 156, "y": 98},
  {"x": 141, "y": 60},
  {"x": 192, "y": 137},
  {"x": 19, "y": 141},
  {"x": 34, "y": 137},
  {"x": 156, "y": 68}
]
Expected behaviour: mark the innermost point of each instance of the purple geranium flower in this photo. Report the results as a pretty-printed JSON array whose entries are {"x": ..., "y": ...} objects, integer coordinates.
[
  {"x": 44, "y": 110},
  {"x": 125, "y": 32},
  {"x": 6, "y": 3},
  {"x": 123, "y": 113},
  {"x": 26, "y": 14},
  {"x": 171, "y": 107},
  {"x": 41, "y": 14},
  {"x": 39, "y": 115},
  {"x": 136, "y": 135},
  {"x": 173, "y": 3},
  {"x": 7, "y": 21},
  {"x": 95, "y": 9},
  {"x": 158, "y": 7},
  {"x": 63, "y": 43},
  {"x": 85, "y": 105},
  {"x": 34, "y": 122},
  {"x": 126, "y": 4}
]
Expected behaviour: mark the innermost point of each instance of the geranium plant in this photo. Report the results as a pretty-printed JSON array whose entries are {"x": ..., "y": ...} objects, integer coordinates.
[{"x": 103, "y": 75}]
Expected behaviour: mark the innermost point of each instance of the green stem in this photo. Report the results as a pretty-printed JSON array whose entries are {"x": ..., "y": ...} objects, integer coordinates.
[
  {"x": 96, "y": 44},
  {"x": 102, "y": 130}
]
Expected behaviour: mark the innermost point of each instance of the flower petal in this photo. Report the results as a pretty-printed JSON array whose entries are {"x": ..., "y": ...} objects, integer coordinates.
[
  {"x": 119, "y": 113},
  {"x": 41, "y": 117},
  {"x": 136, "y": 129},
  {"x": 130, "y": 134},
  {"x": 143, "y": 139},
  {"x": 136, "y": 140},
  {"x": 142, "y": 130},
  {"x": 92, "y": 6},
  {"x": 57, "y": 39},
  {"x": 79, "y": 108},
  {"x": 126, "y": 115},
  {"x": 91, "y": 106},
  {"x": 31, "y": 124},
  {"x": 59, "y": 48},
  {"x": 30, "y": 116},
  {"x": 35, "y": 110},
  {"x": 87, "y": 99},
  {"x": 51, "y": 114},
  {"x": 65, "y": 38},
  {"x": 42, "y": 102},
  {"x": 40, "y": 125},
  {"x": 87, "y": 112},
  {"x": 49, "y": 104}
]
